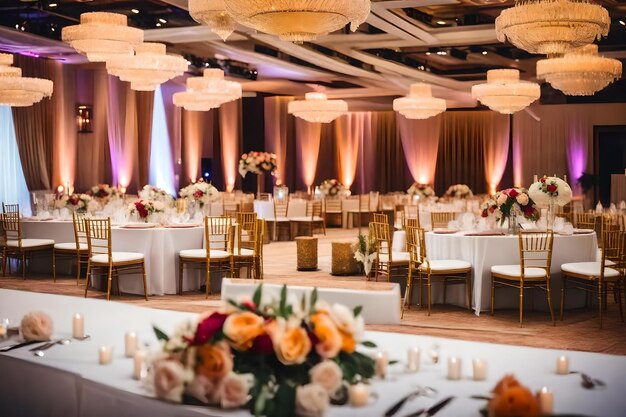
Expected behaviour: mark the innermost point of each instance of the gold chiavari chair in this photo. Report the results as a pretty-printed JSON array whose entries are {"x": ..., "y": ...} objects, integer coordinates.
[
  {"x": 10, "y": 208},
  {"x": 78, "y": 249},
  {"x": 440, "y": 219},
  {"x": 16, "y": 246},
  {"x": 411, "y": 212},
  {"x": 416, "y": 258},
  {"x": 621, "y": 221},
  {"x": 230, "y": 207},
  {"x": 314, "y": 217},
  {"x": 535, "y": 252},
  {"x": 280, "y": 219},
  {"x": 102, "y": 257},
  {"x": 598, "y": 277},
  {"x": 217, "y": 252},
  {"x": 445, "y": 271},
  {"x": 245, "y": 250},
  {"x": 261, "y": 227},
  {"x": 380, "y": 218},
  {"x": 364, "y": 208},
  {"x": 265, "y": 196},
  {"x": 388, "y": 262},
  {"x": 251, "y": 256},
  {"x": 333, "y": 206},
  {"x": 584, "y": 220}
]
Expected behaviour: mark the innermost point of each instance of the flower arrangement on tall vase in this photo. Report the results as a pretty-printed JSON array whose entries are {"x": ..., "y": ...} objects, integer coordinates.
[
  {"x": 507, "y": 204},
  {"x": 257, "y": 163},
  {"x": 551, "y": 192}
]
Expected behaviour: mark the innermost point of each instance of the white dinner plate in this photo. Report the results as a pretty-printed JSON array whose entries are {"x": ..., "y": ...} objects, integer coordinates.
[
  {"x": 181, "y": 226},
  {"x": 140, "y": 226}
]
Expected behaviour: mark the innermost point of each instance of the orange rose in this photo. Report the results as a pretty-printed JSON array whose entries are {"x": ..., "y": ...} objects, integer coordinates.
[
  {"x": 329, "y": 339},
  {"x": 514, "y": 402},
  {"x": 348, "y": 344},
  {"x": 214, "y": 361},
  {"x": 242, "y": 328},
  {"x": 293, "y": 346}
]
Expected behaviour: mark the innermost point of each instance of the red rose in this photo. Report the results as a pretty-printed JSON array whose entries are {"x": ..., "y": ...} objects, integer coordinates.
[
  {"x": 551, "y": 188},
  {"x": 492, "y": 209},
  {"x": 528, "y": 210},
  {"x": 513, "y": 193},
  {"x": 208, "y": 327},
  {"x": 263, "y": 345},
  {"x": 249, "y": 304},
  {"x": 485, "y": 213},
  {"x": 198, "y": 194},
  {"x": 543, "y": 179}
]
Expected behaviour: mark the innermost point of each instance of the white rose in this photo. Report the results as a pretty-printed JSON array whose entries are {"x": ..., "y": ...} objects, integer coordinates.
[
  {"x": 202, "y": 389},
  {"x": 328, "y": 375},
  {"x": 343, "y": 318},
  {"x": 169, "y": 380},
  {"x": 311, "y": 401},
  {"x": 522, "y": 199},
  {"x": 234, "y": 390},
  {"x": 158, "y": 206}
]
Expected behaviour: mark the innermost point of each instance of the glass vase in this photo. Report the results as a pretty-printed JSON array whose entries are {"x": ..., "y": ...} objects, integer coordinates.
[
  {"x": 513, "y": 226},
  {"x": 551, "y": 215}
]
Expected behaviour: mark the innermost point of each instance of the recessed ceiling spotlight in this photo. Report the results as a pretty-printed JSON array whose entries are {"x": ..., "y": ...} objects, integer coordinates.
[
  {"x": 428, "y": 53},
  {"x": 162, "y": 20},
  {"x": 441, "y": 22},
  {"x": 52, "y": 5},
  {"x": 621, "y": 22},
  {"x": 136, "y": 11},
  {"x": 442, "y": 53},
  {"x": 516, "y": 59},
  {"x": 158, "y": 25},
  {"x": 484, "y": 52}
]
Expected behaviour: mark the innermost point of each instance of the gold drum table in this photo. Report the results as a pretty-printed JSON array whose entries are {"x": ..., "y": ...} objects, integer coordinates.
[
  {"x": 307, "y": 253},
  {"x": 343, "y": 262}
]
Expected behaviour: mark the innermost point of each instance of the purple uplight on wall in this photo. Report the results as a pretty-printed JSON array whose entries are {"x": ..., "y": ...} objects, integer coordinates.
[{"x": 576, "y": 160}]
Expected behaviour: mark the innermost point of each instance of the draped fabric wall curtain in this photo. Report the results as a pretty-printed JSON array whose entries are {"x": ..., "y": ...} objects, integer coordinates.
[
  {"x": 308, "y": 136},
  {"x": 279, "y": 133},
  {"x": 420, "y": 141}
]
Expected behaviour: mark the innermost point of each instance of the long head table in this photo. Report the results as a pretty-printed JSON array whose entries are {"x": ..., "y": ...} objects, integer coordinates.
[{"x": 69, "y": 382}]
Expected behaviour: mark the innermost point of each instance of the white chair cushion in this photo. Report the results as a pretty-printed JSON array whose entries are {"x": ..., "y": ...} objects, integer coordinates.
[
  {"x": 278, "y": 219},
  {"x": 395, "y": 257},
  {"x": 306, "y": 219},
  {"x": 590, "y": 269},
  {"x": 331, "y": 211},
  {"x": 103, "y": 258},
  {"x": 201, "y": 254},
  {"x": 30, "y": 243},
  {"x": 70, "y": 246},
  {"x": 447, "y": 265},
  {"x": 516, "y": 270}
]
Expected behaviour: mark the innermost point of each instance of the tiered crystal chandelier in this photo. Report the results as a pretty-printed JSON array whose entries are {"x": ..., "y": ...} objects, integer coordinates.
[
  {"x": 504, "y": 92},
  {"x": 18, "y": 91},
  {"x": 581, "y": 72},
  {"x": 101, "y": 36},
  {"x": 299, "y": 20},
  {"x": 213, "y": 14},
  {"x": 420, "y": 103},
  {"x": 552, "y": 26},
  {"x": 148, "y": 68},
  {"x": 316, "y": 108},
  {"x": 207, "y": 92}
]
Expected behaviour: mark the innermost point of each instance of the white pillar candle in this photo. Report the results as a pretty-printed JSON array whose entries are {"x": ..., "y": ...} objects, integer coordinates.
[
  {"x": 562, "y": 365},
  {"x": 546, "y": 401},
  {"x": 454, "y": 368},
  {"x": 535, "y": 178},
  {"x": 480, "y": 369},
  {"x": 78, "y": 326},
  {"x": 380, "y": 362},
  {"x": 413, "y": 359},
  {"x": 105, "y": 355},
  {"x": 4, "y": 327},
  {"x": 130, "y": 344},
  {"x": 139, "y": 364},
  {"x": 359, "y": 394}
]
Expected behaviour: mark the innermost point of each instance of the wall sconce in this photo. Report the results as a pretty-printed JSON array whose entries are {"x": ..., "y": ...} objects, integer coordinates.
[{"x": 83, "y": 118}]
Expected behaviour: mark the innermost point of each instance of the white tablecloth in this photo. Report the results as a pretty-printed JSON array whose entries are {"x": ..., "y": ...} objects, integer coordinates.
[
  {"x": 379, "y": 307},
  {"x": 160, "y": 247},
  {"x": 265, "y": 209},
  {"x": 485, "y": 251},
  {"x": 68, "y": 381}
]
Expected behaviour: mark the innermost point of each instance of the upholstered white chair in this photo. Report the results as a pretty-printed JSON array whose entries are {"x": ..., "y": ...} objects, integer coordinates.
[
  {"x": 14, "y": 245},
  {"x": 79, "y": 249}
]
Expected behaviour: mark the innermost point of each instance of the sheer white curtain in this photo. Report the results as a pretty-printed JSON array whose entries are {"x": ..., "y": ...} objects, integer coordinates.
[
  {"x": 161, "y": 168},
  {"x": 12, "y": 182}
]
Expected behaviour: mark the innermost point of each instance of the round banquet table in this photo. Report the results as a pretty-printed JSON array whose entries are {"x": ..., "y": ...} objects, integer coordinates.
[
  {"x": 485, "y": 251},
  {"x": 160, "y": 246}
]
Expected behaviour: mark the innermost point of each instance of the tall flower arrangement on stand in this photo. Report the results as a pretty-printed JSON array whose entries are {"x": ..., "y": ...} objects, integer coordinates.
[
  {"x": 459, "y": 191},
  {"x": 420, "y": 191},
  {"x": 510, "y": 203},
  {"x": 331, "y": 187},
  {"x": 551, "y": 192},
  {"x": 103, "y": 192},
  {"x": 275, "y": 359},
  {"x": 200, "y": 192},
  {"x": 257, "y": 163},
  {"x": 149, "y": 192},
  {"x": 81, "y": 203}
]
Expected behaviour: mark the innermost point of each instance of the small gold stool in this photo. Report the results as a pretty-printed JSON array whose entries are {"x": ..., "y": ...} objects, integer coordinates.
[
  {"x": 343, "y": 262},
  {"x": 307, "y": 253}
]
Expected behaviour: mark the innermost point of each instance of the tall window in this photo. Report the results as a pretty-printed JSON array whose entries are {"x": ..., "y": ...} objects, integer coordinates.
[
  {"x": 13, "y": 187},
  {"x": 161, "y": 168}
]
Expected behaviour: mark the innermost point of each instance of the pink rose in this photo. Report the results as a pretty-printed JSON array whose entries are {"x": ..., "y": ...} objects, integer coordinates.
[
  {"x": 169, "y": 380},
  {"x": 502, "y": 199},
  {"x": 311, "y": 400},
  {"x": 202, "y": 389},
  {"x": 36, "y": 326},
  {"x": 234, "y": 389}
]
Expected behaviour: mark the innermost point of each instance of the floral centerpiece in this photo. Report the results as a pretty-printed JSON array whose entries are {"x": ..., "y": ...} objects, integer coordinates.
[
  {"x": 551, "y": 192},
  {"x": 508, "y": 204},
  {"x": 145, "y": 208},
  {"x": 149, "y": 192},
  {"x": 366, "y": 252},
  {"x": 419, "y": 191},
  {"x": 200, "y": 192},
  {"x": 80, "y": 203},
  {"x": 103, "y": 191},
  {"x": 459, "y": 191},
  {"x": 276, "y": 359},
  {"x": 510, "y": 398},
  {"x": 257, "y": 163},
  {"x": 36, "y": 326},
  {"x": 331, "y": 187}
]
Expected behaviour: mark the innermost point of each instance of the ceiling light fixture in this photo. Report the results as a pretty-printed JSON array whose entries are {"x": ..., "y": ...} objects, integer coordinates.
[
  {"x": 621, "y": 22},
  {"x": 207, "y": 92},
  {"x": 441, "y": 22},
  {"x": 504, "y": 92},
  {"x": 420, "y": 103},
  {"x": 484, "y": 52},
  {"x": 213, "y": 14},
  {"x": 552, "y": 26},
  {"x": 52, "y": 5},
  {"x": 148, "y": 68},
  {"x": 18, "y": 91},
  {"x": 299, "y": 20},
  {"x": 316, "y": 108},
  {"x": 136, "y": 11},
  {"x": 581, "y": 72},
  {"x": 102, "y": 35}
]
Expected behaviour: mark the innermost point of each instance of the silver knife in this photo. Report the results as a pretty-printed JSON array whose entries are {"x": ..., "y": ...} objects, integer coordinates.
[{"x": 432, "y": 410}]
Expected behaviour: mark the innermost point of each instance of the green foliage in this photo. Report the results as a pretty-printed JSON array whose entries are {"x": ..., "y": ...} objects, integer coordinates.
[{"x": 160, "y": 334}]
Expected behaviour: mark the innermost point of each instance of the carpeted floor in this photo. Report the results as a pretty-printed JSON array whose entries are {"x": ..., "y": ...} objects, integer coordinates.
[{"x": 579, "y": 330}]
